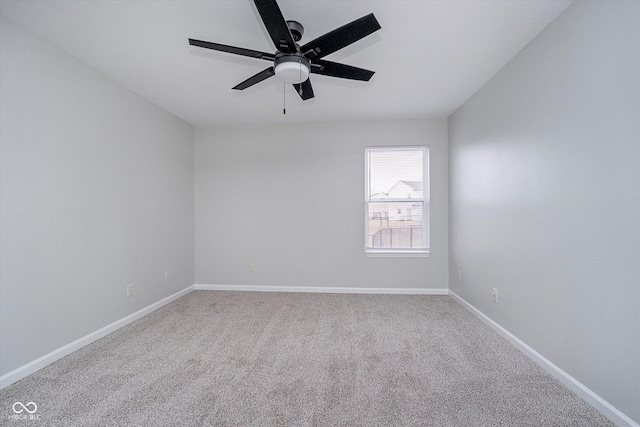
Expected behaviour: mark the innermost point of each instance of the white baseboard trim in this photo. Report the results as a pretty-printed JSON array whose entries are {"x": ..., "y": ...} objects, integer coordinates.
[
  {"x": 323, "y": 290},
  {"x": 31, "y": 367},
  {"x": 576, "y": 386}
]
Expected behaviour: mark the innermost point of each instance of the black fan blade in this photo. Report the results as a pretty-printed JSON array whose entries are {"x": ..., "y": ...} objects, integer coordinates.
[
  {"x": 307, "y": 89},
  {"x": 276, "y": 25},
  {"x": 262, "y": 75},
  {"x": 334, "y": 69},
  {"x": 232, "y": 49},
  {"x": 341, "y": 37}
]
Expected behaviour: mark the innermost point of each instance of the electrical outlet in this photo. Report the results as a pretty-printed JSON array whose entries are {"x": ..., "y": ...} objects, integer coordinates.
[
  {"x": 167, "y": 276},
  {"x": 494, "y": 295},
  {"x": 252, "y": 268},
  {"x": 459, "y": 275},
  {"x": 129, "y": 290}
]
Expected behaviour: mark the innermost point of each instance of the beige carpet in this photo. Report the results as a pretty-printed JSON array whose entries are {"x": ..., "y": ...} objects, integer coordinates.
[{"x": 254, "y": 359}]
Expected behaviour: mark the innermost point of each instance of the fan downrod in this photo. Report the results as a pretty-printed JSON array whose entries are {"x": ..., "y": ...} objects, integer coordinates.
[{"x": 296, "y": 29}]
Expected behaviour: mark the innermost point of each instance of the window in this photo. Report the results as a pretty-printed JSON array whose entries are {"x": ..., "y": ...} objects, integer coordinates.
[{"x": 397, "y": 201}]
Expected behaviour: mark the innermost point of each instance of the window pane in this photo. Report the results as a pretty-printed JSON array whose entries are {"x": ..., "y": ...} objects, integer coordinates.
[
  {"x": 395, "y": 225},
  {"x": 395, "y": 174}
]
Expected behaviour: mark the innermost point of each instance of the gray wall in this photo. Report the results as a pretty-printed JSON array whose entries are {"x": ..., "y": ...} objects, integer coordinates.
[
  {"x": 545, "y": 198},
  {"x": 97, "y": 192},
  {"x": 290, "y": 199}
]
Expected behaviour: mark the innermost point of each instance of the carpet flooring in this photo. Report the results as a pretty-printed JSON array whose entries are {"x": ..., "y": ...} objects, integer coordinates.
[{"x": 265, "y": 359}]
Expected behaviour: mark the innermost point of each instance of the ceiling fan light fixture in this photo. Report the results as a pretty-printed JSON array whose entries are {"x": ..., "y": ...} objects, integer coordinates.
[{"x": 292, "y": 68}]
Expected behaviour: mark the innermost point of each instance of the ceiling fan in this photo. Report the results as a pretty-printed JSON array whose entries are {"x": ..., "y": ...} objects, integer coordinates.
[{"x": 292, "y": 63}]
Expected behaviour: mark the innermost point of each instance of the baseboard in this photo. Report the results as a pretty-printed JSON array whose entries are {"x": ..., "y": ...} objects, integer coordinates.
[
  {"x": 324, "y": 290},
  {"x": 576, "y": 386},
  {"x": 31, "y": 367}
]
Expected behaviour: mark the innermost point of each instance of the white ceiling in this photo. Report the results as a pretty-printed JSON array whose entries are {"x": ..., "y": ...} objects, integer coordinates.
[{"x": 429, "y": 56}]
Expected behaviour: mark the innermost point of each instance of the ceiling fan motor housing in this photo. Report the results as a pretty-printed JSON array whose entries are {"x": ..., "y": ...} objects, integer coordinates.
[{"x": 292, "y": 67}]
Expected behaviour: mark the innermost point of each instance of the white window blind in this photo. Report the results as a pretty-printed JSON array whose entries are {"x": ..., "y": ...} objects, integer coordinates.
[{"x": 397, "y": 200}]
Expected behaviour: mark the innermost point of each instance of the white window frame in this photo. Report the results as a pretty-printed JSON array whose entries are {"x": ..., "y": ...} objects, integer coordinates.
[{"x": 426, "y": 223}]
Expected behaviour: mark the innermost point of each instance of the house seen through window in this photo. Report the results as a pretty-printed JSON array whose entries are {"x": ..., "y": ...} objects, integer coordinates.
[{"x": 397, "y": 200}]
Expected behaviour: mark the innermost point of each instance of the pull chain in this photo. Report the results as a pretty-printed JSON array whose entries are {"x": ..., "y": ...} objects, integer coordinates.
[
  {"x": 284, "y": 89},
  {"x": 300, "y": 87}
]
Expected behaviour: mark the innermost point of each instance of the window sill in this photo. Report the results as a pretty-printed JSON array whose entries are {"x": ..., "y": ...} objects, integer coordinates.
[{"x": 396, "y": 254}]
